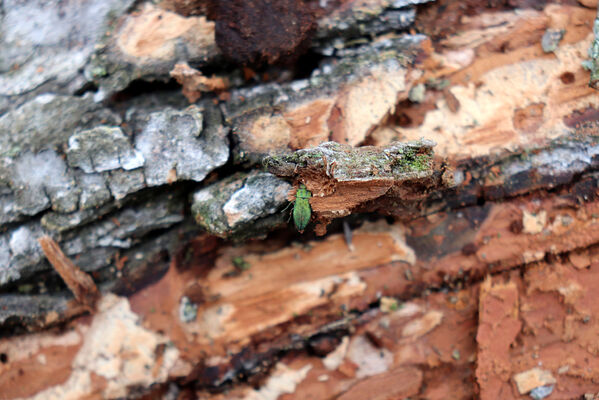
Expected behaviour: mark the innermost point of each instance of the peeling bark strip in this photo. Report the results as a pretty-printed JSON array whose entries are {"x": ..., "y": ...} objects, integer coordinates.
[
  {"x": 194, "y": 83},
  {"x": 400, "y": 180},
  {"x": 241, "y": 206},
  {"x": 81, "y": 284},
  {"x": 346, "y": 98},
  {"x": 342, "y": 178}
]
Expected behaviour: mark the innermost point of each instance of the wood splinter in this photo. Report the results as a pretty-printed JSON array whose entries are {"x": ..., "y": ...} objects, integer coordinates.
[{"x": 80, "y": 283}]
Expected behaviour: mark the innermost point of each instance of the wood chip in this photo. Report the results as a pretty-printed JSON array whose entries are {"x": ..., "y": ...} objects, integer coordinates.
[{"x": 80, "y": 283}]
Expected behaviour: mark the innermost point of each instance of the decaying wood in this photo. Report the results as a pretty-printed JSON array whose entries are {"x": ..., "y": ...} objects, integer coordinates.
[
  {"x": 343, "y": 179},
  {"x": 194, "y": 83},
  {"x": 79, "y": 283},
  {"x": 479, "y": 283}
]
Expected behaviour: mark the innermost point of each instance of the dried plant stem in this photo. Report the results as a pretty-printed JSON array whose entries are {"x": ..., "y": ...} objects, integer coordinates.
[{"x": 80, "y": 283}]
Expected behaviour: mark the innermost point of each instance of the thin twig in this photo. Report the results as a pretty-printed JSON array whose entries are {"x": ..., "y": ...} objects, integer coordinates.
[{"x": 80, "y": 283}]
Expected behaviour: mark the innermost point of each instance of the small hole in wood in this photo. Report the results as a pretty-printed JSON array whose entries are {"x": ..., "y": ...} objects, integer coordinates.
[{"x": 567, "y": 78}]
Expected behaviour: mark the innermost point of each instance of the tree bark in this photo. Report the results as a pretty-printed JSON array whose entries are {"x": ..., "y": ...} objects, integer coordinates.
[{"x": 451, "y": 154}]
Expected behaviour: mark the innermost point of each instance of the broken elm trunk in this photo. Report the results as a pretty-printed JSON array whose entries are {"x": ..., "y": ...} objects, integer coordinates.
[{"x": 453, "y": 248}]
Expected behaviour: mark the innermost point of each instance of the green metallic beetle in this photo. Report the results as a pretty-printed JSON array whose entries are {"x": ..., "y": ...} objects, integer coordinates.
[{"x": 301, "y": 208}]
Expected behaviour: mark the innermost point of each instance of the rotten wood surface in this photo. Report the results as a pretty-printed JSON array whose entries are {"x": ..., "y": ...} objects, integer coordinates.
[{"x": 469, "y": 267}]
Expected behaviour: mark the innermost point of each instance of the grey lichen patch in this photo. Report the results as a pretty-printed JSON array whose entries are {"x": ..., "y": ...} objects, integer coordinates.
[
  {"x": 23, "y": 249},
  {"x": 343, "y": 163},
  {"x": 5, "y": 255},
  {"x": 177, "y": 146},
  {"x": 8, "y": 209},
  {"x": 60, "y": 222},
  {"x": 95, "y": 244},
  {"x": 123, "y": 230},
  {"x": 40, "y": 180},
  {"x": 102, "y": 149},
  {"x": 101, "y": 175},
  {"x": 47, "y": 121},
  {"x": 22, "y": 242},
  {"x": 551, "y": 39},
  {"x": 49, "y": 43},
  {"x": 206, "y": 205},
  {"x": 567, "y": 155},
  {"x": 97, "y": 191},
  {"x": 227, "y": 208},
  {"x": 94, "y": 191},
  {"x": 188, "y": 311},
  {"x": 540, "y": 392},
  {"x": 416, "y": 94},
  {"x": 261, "y": 194},
  {"x": 33, "y": 174},
  {"x": 122, "y": 183}
]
